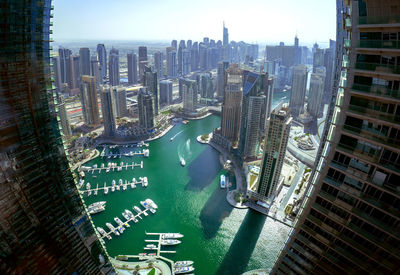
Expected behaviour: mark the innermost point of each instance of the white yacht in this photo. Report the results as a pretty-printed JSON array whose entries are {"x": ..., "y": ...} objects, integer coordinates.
[
  {"x": 151, "y": 246},
  {"x": 144, "y": 182},
  {"x": 112, "y": 228},
  {"x": 88, "y": 186},
  {"x": 89, "y": 192},
  {"x": 170, "y": 242},
  {"x": 185, "y": 269},
  {"x": 124, "y": 186},
  {"x": 80, "y": 184},
  {"x": 133, "y": 183},
  {"x": 137, "y": 209},
  {"x": 171, "y": 236},
  {"x": 103, "y": 233},
  {"x": 183, "y": 263},
  {"x": 120, "y": 182},
  {"x": 183, "y": 163},
  {"x": 151, "y": 203},
  {"x": 126, "y": 216},
  {"x": 118, "y": 221}
]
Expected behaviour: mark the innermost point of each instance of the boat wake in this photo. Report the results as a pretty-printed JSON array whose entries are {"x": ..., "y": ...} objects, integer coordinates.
[
  {"x": 184, "y": 151},
  {"x": 176, "y": 135}
]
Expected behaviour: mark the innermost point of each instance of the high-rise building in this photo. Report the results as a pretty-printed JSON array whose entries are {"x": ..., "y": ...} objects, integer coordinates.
[
  {"x": 181, "y": 47},
  {"x": 113, "y": 67},
  {"x": 142, "y": 61},
  {"x": 256, "y": 91},
  {"x": 64, "y": 120},
  {"x": 119, "y": 101},
  {"x": 318, "y": 59},
  {"x": 57, "y": 72},
  {"x": 132, "y": 68},
  {"x": 151, "y": 83},
  {"x": 222, "y": 66},
  {"x": 194, "y": 57},
  {"x": 231, "y": 109},
  {"x": 44, "y": 225},
  {"x": 317, "y": 84},
  {"x": 276, "y": 139},
  {"x": 145, "y": 108},
  {"x": 225, "y": 39},
  {"x": 90, "y": 107},
  {"x": 206, "y": 86},
  {"x": 348, "y": 222},
  {"x": 102, "y": 57},
  {"x": 84, "y": 61},
  {"x": 95, "y": 70},
  {"x": 107, "y": 110},
  {"x": 174, "y": 44},
  {"x": 185, "y": 62},
  {"x": 158, "y": 64},
  {"x": 75, "y": 73},
  {"x": 189, "y": 95},
  {"x": 299, "y": 86},
  {"x": 165, "y": 92},
  {"x": 65, "y": 64},
  {"x": 171, "y": 63}
]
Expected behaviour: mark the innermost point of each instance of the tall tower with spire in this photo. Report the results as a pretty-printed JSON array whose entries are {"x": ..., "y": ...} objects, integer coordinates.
[{"x": 225, "y": 40}]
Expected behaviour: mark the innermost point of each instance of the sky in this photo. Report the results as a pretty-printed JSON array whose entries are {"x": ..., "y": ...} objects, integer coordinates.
[{"x": 252, "y": 21}]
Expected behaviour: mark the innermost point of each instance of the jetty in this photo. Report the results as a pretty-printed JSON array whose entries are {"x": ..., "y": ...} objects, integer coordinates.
[
  {"x": 117, "y": 187},
  {"x": 159, "y": 242},
  {"x": 110, "y": 167}
]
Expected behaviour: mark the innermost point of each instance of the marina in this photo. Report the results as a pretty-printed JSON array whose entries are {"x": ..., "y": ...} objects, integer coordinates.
[
  {"x": 122, "y": 225},
  {"x": 110, "y": 167},
  {"x": 143, "y": 181}
]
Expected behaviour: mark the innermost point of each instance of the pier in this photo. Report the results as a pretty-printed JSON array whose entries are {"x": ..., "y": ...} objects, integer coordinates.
[
  {"x": 144, "y": 152},
  {"x": 159, "y": 251},
  {"x": 118, "y": 187},
  {"x": 111, "y": 167}
]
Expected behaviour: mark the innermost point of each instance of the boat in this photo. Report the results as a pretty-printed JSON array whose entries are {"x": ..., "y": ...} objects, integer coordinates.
[
  {"x": 94, "y": 166},
  {"x": 146, "y": 153},
  {"x": 126, "y": 216},
  {"x": 144, "y": 182},
  {"x": 96, "y": 209},
  {"x": 185, "y": 269},
  {"x": 95, "y": 191},
  {"x": 120, "y": 182},
  {"x": 89, "y": 192},
  {"x": 88, "y": 186},
  {"x": 117, "y": 187},
  {"x": 142, "y": 254},
  {"x": 183, "y": 163},
  {"x": 183, "y": 263},
  {"x": 171, "y": 139},
  {"x": 129, "y": 213},
  {"x": 170, "y": 242},
  {"x": 124, "y": 187},
  {"x": 107, "y": 170},
  {"x": 112, "y": 228},
  {"x": 105, "y": 190},
  {"x": 99, "y": 203},
  {"x": 103, "y": 233},
  {"x": 151, "y": 203},
  {"x": 137, "y": 209},
  {"x": 102, "y": 165},
  {"x": 94, "y": 176},
  {"x": 171, "y": 236},
  {"x": 145, "y": 204},
  {"x": 151, "y": 246},
  {"x": 80, "y": 184},
  {"x": 119, "y": 169},
  {"x": 222, "y": 181},
  {"x": 152, "y": 254},
  {"x": 133, "y": 183},
  {"x": 118, "y": 221}
]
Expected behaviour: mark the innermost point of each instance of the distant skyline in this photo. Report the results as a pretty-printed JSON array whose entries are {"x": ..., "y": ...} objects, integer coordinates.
[{"x": 252, "y": 21}]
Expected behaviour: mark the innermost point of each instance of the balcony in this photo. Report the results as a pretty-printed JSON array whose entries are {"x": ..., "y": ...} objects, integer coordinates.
[
  {"x": 377, "y": 90},
  {"x": 374, "y": 20},
  {"x": 372, "y": 135},
  {"x": 363, "y": 111},
  {"x": 379, "y": 44},
  {"x": 377, "y": 67},
  {"x": 358, "y": 152}
]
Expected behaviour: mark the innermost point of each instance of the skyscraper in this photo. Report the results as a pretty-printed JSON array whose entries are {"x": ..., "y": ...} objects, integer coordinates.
[
  {"x": 225, "y": 41},
  {"x": 317, "y": 84},
  {"x": 44, "y": 224},
  {"x": 194, "y": 57},
  {"x": 276, "y": 139},
  {"x": 113, "y": 67},
  {"x": 298, "y": 94},
  {"x": 181, "y": 47},
  {"x": 84, "y": 61},
  {"x": 165, "y": 92},
  {"x": 231, "y": 109},
  {"x": 74, "y": 76},
  {"x": 119, "y": 101},
  {"x": 206, "y": 86},
  {"x": 158, "y": 64},
  {"x": 57, "y": 72},
  {"x": 95, "y": 70},
  {"x": 186, "y": 62},
  {"x": 107, "y": 110},
  {"x": 222, "y": 66},
  {"x": 171, "y": 63},
  {"x": 132, "y": 68},
  {"x": 348, "y": 222},
  {"x": 174, "y": 44},
  {"x": 189, "y": 95},
  {"x": 102, "y": 57},
  {"x": 151, "y": 83},
  {"x": 65, "y": 64},
  {"x": 142, "y": 61},
  {"x": 90, "y": 108},
  {"x": 145, "y": 107},
  {"x": 318, "y": 59},
  {"x": 64, "y": 120}
]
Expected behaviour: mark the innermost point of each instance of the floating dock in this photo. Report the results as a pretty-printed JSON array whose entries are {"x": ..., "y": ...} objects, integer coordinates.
[
  {"x": 108, "y": 189},
  {"x": 111, "y": 167},
  {"x": 158, "y": 243}
]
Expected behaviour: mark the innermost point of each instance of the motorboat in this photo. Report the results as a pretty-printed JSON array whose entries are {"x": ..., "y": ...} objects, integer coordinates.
[
  {"x": 222, "y": 181},
  {"x": 103, "y": 233},
  {"x": 183, "y": 263},
  {"x": 112, "y": 228},
  {"x": 151, "y": 246},
  {"x": 80, "y": 184},
  {"x": 133, "y": 183},
  {"x": 183, "y": 163},
  {"x": 151, "y": 203},
  {"x": 171, "y": 236},
  {"x": 88, "y": 186},
  {"x": 144, "y": 182},
  {"x": 126, "y": 216},
  {"x": 185, "y": 269},
  {"x": 137, "y": 209},
  {"x": 170, "y": 242}
]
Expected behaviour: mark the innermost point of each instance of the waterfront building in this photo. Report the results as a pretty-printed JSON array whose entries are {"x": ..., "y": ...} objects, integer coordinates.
[
  {"x": 151, "y": 83},
  {"x": 132, "y": 68},
  {"x": 84, "y": 61},
  {"x": 298, "y": 94},
  {"x": 44, "y": 224},
  {"x": 113, "y": 67},
  {"x": 119, "y": 101},
  {"x": 64, "y": 120},
  {"x": 166, "y": 92},
  {"x": 145, "y": 108},
  {"x": 189, "y": 95},
  {"x": 102, "y": 57},
  {"x": 142, "y": 61},
  {"x": 107, "y": 110},
  {"x": 348, "y": 222},
  {"x": 90, "y": 108},
  {"x": 232, "y": 106},
  {"x": 158, "y": 64},
  {"x": 276, "y": 139},
  {"x": 171, "y": 63},
  {"x": 221, "y": 67},
  {"x": 317, "y": 84},
  {"x": 256, "y": 104}
]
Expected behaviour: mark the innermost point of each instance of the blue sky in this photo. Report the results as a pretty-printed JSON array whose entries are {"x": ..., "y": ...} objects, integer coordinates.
[{"x": 261, "y": 21}]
